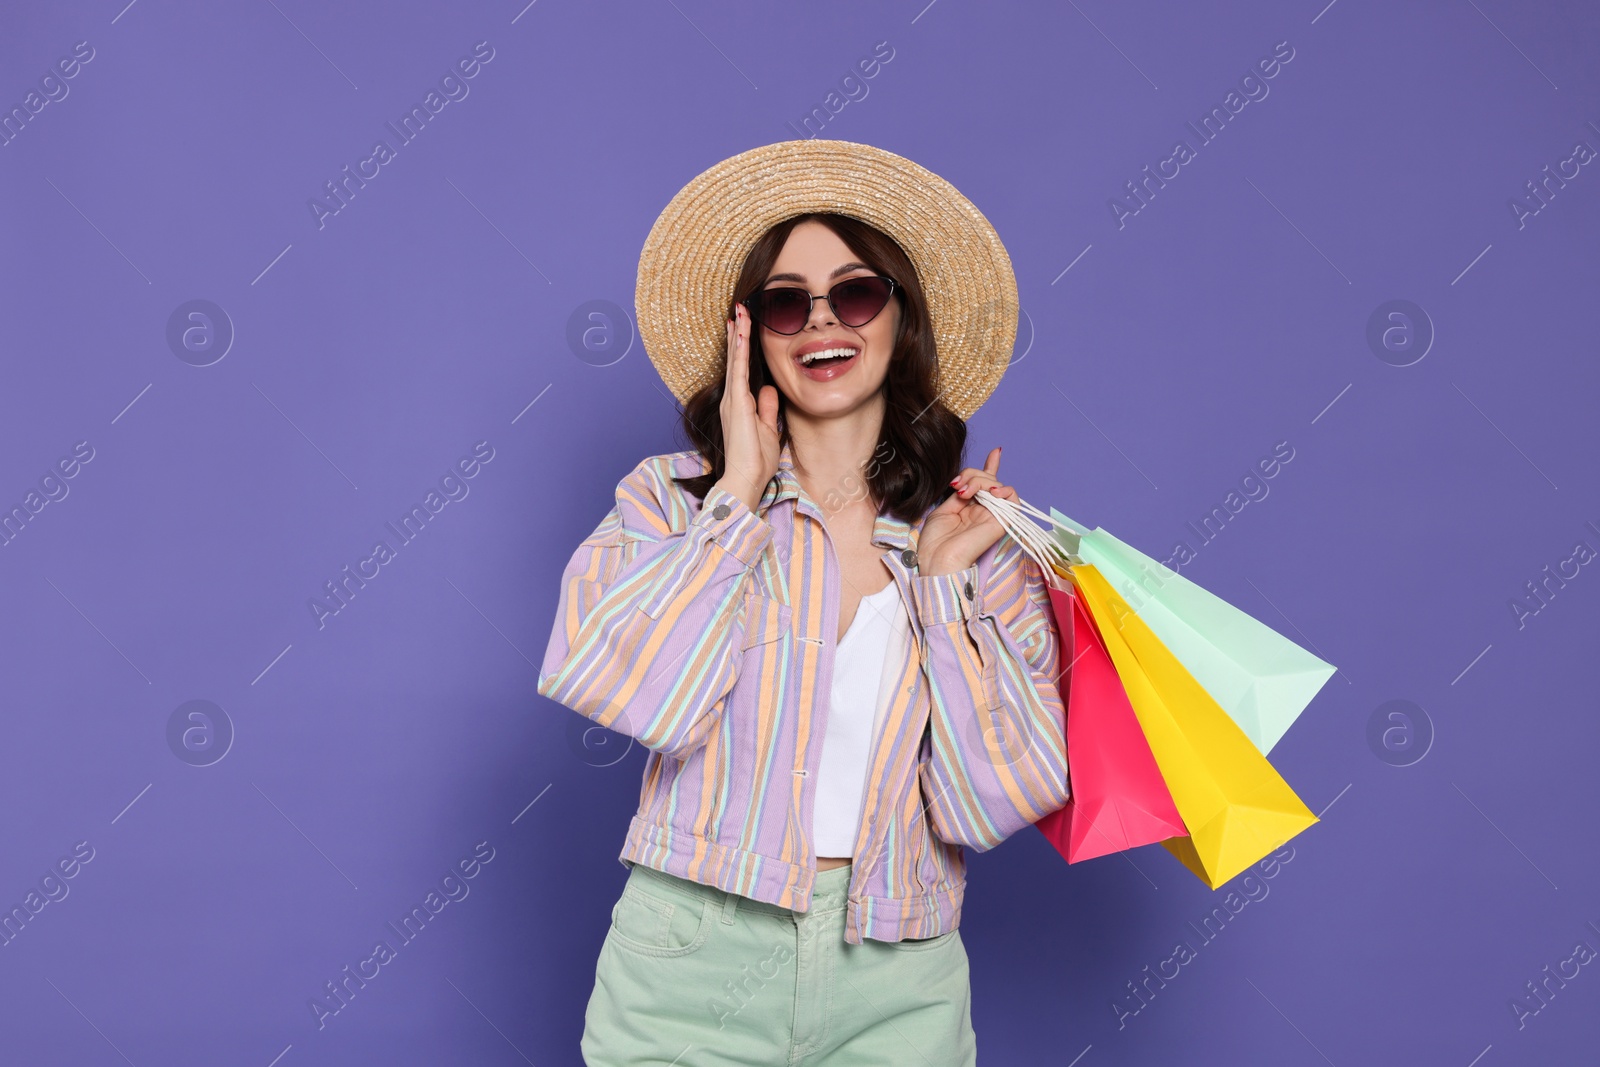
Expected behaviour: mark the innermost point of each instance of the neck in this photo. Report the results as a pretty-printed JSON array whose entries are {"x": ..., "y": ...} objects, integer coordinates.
[{"x": 830, "y": 455}]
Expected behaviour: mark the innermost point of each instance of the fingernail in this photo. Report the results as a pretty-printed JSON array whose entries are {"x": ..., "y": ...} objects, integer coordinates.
[{"x": 955, "y": 482}]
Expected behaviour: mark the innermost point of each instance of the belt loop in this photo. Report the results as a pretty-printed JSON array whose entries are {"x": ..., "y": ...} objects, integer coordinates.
[{"x": 730, "y": 907}]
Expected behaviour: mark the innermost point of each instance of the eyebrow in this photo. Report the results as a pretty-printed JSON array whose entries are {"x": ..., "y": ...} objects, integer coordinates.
[{"x": 790, "y": 276}]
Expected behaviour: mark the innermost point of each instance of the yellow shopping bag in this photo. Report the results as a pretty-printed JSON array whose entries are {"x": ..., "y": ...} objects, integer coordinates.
[{"x": 1236, "y": 807}]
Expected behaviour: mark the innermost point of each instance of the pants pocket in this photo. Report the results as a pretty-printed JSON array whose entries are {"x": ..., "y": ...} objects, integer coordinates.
[
  {"x": 667, "y": 980},
  {"x": 926, "y": 944},
  {"x": 652, "y": 924}
]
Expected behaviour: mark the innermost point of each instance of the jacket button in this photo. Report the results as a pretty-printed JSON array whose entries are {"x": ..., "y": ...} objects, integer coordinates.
[
  {"x": 909, "y": 558},
  {"x": 720, "y": 512},
  {"x": 969, "y": 590}
]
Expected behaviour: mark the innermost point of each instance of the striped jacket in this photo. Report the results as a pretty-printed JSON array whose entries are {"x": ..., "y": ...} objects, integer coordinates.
[{"x": 706, "y": 632}]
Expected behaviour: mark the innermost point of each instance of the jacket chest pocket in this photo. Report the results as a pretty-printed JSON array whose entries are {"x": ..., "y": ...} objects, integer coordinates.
[
  {"x": 765, "y": 625},
  {"x": 766, "y": 620}
]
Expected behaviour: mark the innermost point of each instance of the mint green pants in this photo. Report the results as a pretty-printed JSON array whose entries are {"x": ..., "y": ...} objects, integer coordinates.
[{"x": 692, "y": 976}]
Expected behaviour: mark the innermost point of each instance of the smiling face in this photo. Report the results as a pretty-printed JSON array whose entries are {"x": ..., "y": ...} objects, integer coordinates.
[{"x": 849, "y": 372}]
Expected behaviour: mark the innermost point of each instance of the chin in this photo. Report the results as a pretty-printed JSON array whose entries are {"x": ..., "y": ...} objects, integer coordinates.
[
  {"x": 824, "y": 404},
  {"x": 822, "y": 400}
]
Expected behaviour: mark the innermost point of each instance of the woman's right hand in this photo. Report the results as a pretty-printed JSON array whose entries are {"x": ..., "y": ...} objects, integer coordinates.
[{"x": 749, "y": 423}]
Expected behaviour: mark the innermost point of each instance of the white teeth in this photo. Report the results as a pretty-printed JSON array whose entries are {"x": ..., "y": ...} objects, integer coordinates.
[{"x": 826, "y": 353}]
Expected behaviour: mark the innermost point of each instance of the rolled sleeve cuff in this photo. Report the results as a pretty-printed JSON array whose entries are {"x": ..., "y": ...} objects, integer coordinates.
[
  {"x": 742, "y": 533},
  {"x": 943, "y": 598}
]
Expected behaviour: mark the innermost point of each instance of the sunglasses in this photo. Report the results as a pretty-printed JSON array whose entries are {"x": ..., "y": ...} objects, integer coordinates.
[{"x": 855, "y": 301}]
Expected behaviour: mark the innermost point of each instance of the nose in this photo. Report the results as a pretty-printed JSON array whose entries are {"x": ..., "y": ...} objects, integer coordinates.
[{"x": 822, "y": 313}]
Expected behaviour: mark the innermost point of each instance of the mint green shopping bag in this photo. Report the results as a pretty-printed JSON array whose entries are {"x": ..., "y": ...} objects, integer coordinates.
[{"x": 1259, "y": 677}]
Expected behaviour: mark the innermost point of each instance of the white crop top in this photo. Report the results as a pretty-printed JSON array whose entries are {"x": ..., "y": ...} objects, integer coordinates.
[{"x": 876, "y": 637}]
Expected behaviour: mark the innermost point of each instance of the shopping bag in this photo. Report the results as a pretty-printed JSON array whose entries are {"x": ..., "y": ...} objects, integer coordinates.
[
  {"x": 1236, "y": 807},
  {"x": 1259, "y": 677},
  {"x": 1118, "y": 800}
]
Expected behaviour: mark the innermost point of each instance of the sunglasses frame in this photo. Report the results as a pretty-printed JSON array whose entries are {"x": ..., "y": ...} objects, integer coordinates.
[{"x": 894, "y": 287}]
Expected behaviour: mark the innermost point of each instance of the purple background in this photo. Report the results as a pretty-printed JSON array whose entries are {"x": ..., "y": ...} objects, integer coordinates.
[{"x": 371, "y": 754}]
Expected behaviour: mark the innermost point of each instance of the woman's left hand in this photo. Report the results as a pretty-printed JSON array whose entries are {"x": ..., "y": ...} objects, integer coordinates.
[{"x": 960, "y": 530}]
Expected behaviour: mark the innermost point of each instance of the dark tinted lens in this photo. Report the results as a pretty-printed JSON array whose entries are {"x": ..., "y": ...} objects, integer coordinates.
[
  {"x": 781, "y": 310},
  {"x": 858, "y": 300}
]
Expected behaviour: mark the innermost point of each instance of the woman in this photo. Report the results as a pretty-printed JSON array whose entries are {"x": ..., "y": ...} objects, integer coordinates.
[{"x": 840, "y": 678}]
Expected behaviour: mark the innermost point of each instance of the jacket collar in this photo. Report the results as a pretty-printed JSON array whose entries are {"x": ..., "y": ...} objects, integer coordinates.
[{"x": 888, "y": 531}]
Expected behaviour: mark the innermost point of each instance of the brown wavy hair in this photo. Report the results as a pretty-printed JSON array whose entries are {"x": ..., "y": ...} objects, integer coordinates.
[{"x": 921, "y": 443}]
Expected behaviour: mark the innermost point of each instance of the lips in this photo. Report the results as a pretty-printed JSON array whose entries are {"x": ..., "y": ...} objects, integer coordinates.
[{"x": 825, "y": 360}]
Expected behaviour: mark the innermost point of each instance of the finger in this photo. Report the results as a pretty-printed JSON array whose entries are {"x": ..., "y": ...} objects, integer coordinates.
[
  {"x": 727, "y": 367},
  {"x": 991, "y": 466},
  {"x": 967, "y": 473},
  {"x": 738, "y": 377},
  {"x": 767, "y": 407},
  {"x": 970, "y": 483}
]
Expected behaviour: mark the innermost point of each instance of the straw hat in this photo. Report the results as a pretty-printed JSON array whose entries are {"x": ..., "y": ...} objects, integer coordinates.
[{"x": 693, "y": 255}]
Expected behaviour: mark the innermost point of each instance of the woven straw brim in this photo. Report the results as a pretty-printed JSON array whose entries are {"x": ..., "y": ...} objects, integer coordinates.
[{"x": 697, "y": 247}]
